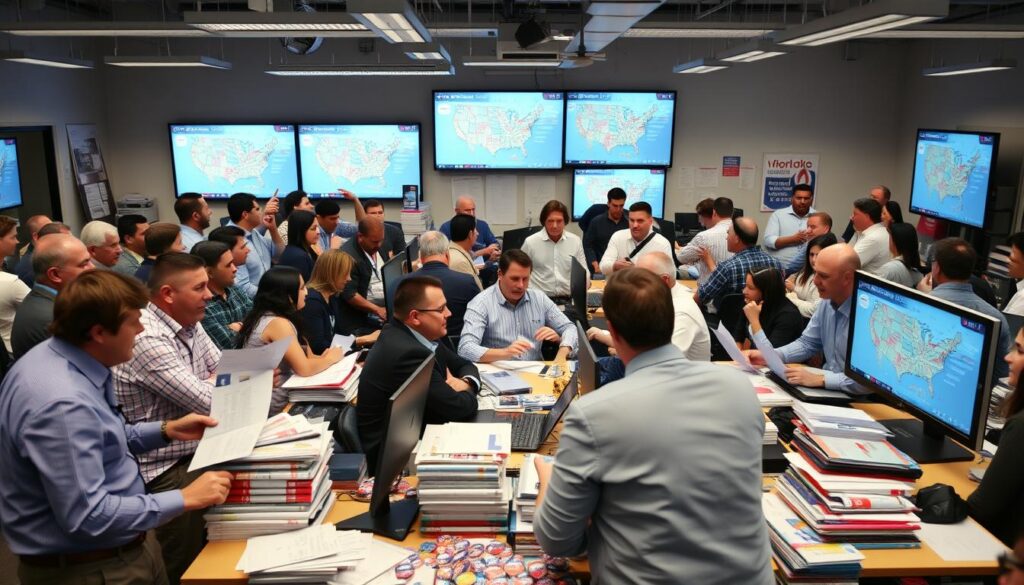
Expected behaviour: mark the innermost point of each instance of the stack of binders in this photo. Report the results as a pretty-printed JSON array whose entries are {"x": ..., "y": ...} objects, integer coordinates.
[
  {"x": 800, "y": 553},
  {"x": 278, "y": 487},
  {"x": 338, "y": 383},
  {"x": 462, "y": 483},
  {"x": 524, "y": 506},
  {"x": 417, "y": 221}
]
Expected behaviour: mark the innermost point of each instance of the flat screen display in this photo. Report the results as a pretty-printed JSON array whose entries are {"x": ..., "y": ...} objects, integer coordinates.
[
  {"x": 479, "y": 130},
  {"x": 218, "y": 160},
  {"x": 372, "y": 160},
  {"x": 619, "y": 128},
  {"x": 952, "y": 175},
  {"x": 10, "y": 174},
  {"x": 590, "y": 186}
]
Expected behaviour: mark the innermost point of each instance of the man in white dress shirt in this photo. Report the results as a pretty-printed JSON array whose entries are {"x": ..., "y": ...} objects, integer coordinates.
[
  {"x": 622, "y": 248},
  {"x": 871, "y": 240},
  {"x": 787, "y": 228},
  {"x": 711, "y": 241},
  {"x": 1015, "y": 306},
  {"x": 552, "y": 251}
]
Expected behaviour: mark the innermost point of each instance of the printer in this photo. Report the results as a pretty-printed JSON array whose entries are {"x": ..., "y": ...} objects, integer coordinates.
[{"x": 134, "y": 203}]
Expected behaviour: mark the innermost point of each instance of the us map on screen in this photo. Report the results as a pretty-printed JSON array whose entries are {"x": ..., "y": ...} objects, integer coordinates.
[
  {"x": 217, "y": 161},
  {"x": 591, "y": 186},
  {"x": 373, "y": 161},
  {"x": 604, "y": 128},
  {"x": 951, "y": 175}
]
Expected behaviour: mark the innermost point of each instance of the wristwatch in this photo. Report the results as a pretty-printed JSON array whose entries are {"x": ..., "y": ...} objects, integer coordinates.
[{"x": 163, "y": 432}]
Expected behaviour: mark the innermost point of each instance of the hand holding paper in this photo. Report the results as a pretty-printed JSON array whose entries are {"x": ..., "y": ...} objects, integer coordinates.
[{"x": 725, "y": 338}]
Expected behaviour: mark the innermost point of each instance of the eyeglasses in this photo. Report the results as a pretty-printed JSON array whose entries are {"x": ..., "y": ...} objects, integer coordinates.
[
  {"x": 441, "y": 309},
  {"x": 1009, "y": 562}
]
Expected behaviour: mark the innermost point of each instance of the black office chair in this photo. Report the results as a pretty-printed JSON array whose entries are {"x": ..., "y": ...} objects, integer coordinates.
[
  {"x": 346, "y": 434},
  {"x": 737, "y": 212},
  {"x": 593, "y": 211}
]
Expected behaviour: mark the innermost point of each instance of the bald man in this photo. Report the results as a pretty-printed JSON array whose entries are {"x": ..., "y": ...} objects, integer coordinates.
[
  {"x": 361, "y": 309},
  {"x": 57, "y": 261},
  {"x": 486, "y": 244},
  {"x": 731, "y": 275},
  {"x": 828, "y": 330}
]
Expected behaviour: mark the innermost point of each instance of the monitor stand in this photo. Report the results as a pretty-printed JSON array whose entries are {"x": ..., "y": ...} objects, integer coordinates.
[
  {"x": 394, "y": 524},
  {"x": 913, "y": 438}
]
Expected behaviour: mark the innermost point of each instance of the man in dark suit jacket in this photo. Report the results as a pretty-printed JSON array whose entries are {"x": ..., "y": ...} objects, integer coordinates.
[
  {"x": 420, "y": 321},
  {"x": 358, "y": 310},
  {"x": 458, "y": 288},
  {"x": 394, "y": 236}
]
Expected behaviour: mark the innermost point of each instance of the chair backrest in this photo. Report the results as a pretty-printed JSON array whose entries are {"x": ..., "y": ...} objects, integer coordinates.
[
  {"x": 347, "y": 431},
  {"x": 730, "y": 311},
  {"x": 513, "y": 239}
]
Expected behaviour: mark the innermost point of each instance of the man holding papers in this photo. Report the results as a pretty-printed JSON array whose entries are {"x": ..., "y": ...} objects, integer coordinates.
[
  {"x": 658, "y": 475},
  {"x": 828, "y": 330},
  {"x": 72, "y": 503},
  {"x": 420, "y": 320}
]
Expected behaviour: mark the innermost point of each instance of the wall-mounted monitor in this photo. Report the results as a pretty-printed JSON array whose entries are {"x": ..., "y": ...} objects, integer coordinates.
[
  {"x": 605, "y": 128},
  {"x": 590, "y": 186},
  {"x": 10, "y": 175},
  {"x": 479, "y": 130},
  {"x": 372, "y": 160},
  {"x": 953, "y": 174},
  {"x": 218, "y": 160}
]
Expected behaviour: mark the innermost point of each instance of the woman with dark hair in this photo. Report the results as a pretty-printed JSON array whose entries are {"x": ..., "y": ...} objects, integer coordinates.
[
  {"x": 296, "y": 200},
  {"x": 276, "y": 315},
  {"x": 12, "y": 289},
  {"x": 905, "y": 266},
  {"x": 998, "y": 503},
  {"x": 302, "y": 236},
  {"x": 800, "y": 287},
  {"x": 768, "y": 310}
]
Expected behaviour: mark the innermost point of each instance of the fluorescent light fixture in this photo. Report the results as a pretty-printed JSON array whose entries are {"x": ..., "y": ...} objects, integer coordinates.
[
  {"x": 495, "y": 62},
  {"x": 101, "y": 29},
  {"x": 393, "y": 20},
  {"x": 955, "y": 31},
  {"x": 167, "y": 61},
  {"x": 59, "y": 62},
  {"x": 634, "y": 8},
  {"x": 698, "y": 30},
  {"x": 863, "y": 20},
  {"x": 361, "y": 70},
  {"x": 277, "y": 24},
  {"x": 752, "y": 51},
  {"x": 968, "y": 68},
  {"x": 609, "y": 20},
  {"x": 463, "y": 31},
  {"x": 426, "y": 51},
  {"x": 700, "y": 66}
]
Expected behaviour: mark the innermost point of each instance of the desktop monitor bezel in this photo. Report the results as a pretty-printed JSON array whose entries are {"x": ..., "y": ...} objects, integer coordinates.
[
  {"x": 593, "y": 376},
  {"x": 174, "y": 170},
  {"x": 472, "y": 169},
  {"x": 397, "y": 259},
  {"x": 401, "y": 195},
  {"x": 17, "y": 172},
  {"x": 988, "y": 188},
  {"x": 586, "y": 170},
  {"x": 579, "y": 165},
  {"x": 983, "y": 388}
]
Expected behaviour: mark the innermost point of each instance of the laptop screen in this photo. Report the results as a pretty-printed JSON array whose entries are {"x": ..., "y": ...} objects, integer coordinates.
[{"x": 560, "y": 407}]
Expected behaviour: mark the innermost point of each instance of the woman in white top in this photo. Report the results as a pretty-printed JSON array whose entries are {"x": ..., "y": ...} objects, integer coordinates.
[
  {"x": 275, "y": 315},
  {"x": 905, "y": 267},
  {"x": 12, "y": 289},
  {"x": 800, "y": 288}
]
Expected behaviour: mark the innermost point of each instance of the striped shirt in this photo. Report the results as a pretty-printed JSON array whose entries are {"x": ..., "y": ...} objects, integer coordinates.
[
  {"x": 494, "y": 323},
  {"x": 712, "y": 239},
  {"x": 166, "y": 379}
]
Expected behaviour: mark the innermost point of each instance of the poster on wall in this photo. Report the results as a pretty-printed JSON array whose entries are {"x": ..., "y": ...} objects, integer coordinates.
[
  {"x": 90, "y": 172},
  {"x": 782, "y": 172}
]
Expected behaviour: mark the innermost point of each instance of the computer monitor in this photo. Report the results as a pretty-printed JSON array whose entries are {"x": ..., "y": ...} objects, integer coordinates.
[
  {"x": 378, "y": 161},
  {"x": 619, "y": 128},
  {"x": 513, "y": 239},
  {"x": 10, "y": 176},
  {"x": 404, "y": 426},
  {"x": 412, "y": 253},
  {"x": 586, "y": 362},
  {"x": 928, "y": 357},
  {"x": 392, "y": 270},
  {"x": 578, "y": 291},
  {"x": 687, "y": 221},
  {"x": 953, "y": 174}
]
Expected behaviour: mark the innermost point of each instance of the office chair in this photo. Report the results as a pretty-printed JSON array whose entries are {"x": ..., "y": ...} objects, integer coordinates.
[{"x": 347, "y": 431}]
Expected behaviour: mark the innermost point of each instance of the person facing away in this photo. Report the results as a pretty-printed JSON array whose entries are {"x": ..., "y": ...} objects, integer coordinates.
[
  {"x": 194, "y": 215},
  {"x": 601, "y": 228},
  {"x": 871, "y": 240},
  {"x": 421, "y": 315},
  {"x": 891, "y": 211},
  {"x": 710, "y": 242},
  {"x": 73, "y": 505},
  {"x": 639, "y": 490},
  {"x": 787, "y": 228}
]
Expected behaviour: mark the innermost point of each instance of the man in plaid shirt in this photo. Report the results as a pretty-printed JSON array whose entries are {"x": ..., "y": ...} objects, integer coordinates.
[
  {"x": 731, "y": 275},
  {"x": 229, "y": 305},
  {"x": 169, "y": 376}
]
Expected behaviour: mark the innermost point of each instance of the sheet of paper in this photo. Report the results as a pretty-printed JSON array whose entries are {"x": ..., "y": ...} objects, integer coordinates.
[
  {"x": 966, "y": 541},
  {"x": 771, "y": 356},
  {"x": 684, "y": 177},
  {"x": 240, "y": 404},
  {"x": 538, "y": 190},
  {"x": 503, "y": 199},
  {"x": 476, "y": 438},
  {"x": 253, "y": 359},
  {"x": 343, "y": 341},
  {"x": 469, "y": 186},
  {"x": 379, "y": 561},
  {"x": 747, "y": 177},
  {"x": 725, "y": 338},
  {"x": 332, "y": 376},
  {"x": 275, "y": 550},
  {"x": 708, "y": 176},
  {"x": 479, "y": 261},
  {"x": 533, "y": 367}
]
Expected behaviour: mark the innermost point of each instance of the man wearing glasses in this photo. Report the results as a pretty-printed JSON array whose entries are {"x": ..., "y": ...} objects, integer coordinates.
[{"x": 420, "y": 321}]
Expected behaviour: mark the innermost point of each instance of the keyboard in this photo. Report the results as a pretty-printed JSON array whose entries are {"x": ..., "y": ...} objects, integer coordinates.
[{"x": 525, "y": 431}]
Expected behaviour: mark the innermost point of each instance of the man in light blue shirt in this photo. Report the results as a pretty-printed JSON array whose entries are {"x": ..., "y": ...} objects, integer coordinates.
[
  {"x": 507, "y": 321},
  {"x": 260, "y": 229},
  {"x": 72, "y": 501},
  {"x": 194, "y": 213},
  {"x": 828, "y": 331},
  {"x": 787, "y": 228}
]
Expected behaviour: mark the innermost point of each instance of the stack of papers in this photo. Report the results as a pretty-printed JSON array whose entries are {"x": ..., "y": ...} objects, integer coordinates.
[
  {"x": 462, "y": 483},
  {"x": 524, "y": 506},
  {"x": 771, "y": 432},
  {"x": 838, "y": 421},
  {"x": 417, "y": 221},
  {"x": 854, "y": 456},
  {"x": 338, "y": 383},
  {"x": 278, "y": 487},
  {"x": 312, "y": 555},
  {"x": 801, "y": 555},
  {"x": 283, "y": 428},
  {"x": 768, "y": 393}
]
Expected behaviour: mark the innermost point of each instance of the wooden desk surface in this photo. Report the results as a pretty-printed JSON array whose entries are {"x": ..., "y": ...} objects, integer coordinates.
[
  {"x": 599, "y": 284},
  {"x": 215, "y": 564}
]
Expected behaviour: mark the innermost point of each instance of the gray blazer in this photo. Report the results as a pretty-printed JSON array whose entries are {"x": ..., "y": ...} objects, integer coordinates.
[
  {"x": 127, "y": 264},
  {"x": 665, "y": 466},
  {"x": 32, "y": 320}
]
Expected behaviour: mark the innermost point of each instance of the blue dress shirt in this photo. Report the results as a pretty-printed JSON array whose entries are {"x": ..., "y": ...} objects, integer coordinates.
[
  {"x": 190, "y": 237},
  {"x": 827, "y": 333},
  {"x": 261, "y": 256},
  {"x": 484, "y": 235},
  {"x": 493, "y": 323},
  {"x": 70, "y": 481},
  {"x": 784, "y": 222},
  {"x": 961, "y": 293},
  {"x": 345, "y": 230}
]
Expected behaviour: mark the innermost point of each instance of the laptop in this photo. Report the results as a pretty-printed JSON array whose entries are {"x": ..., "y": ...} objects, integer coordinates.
[
  {"x": 587, "y": 362},
  {"x": 529, "y": 429},
  {"x": 812, "y": 395}
]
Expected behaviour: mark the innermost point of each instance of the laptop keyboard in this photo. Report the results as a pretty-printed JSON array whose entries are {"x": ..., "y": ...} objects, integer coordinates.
[{"x": 525, "y": 431}]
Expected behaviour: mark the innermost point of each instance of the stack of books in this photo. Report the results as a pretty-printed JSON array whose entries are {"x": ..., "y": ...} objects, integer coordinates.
[
  {"x": 317, "y": 554},
  {"x": 771, "y": 432},
  {"x": 338, "y": 383},
  {"x": 768, "y": 393},
  {"x": 278, "y": 487},
  {"x": 800, "y": 553},
  {"x": 417, "y": 221},
  {"x": 524, "y": 506},
  {"x": 462, "y": 482},
  {"x": 347, "y": 471},
  {"x": 837, "y": 421}
]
